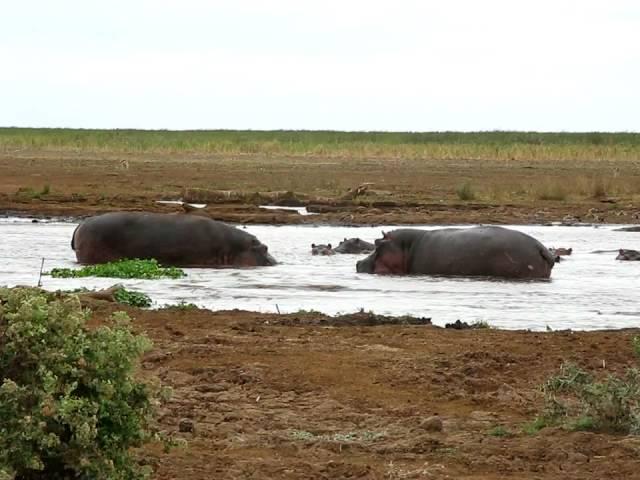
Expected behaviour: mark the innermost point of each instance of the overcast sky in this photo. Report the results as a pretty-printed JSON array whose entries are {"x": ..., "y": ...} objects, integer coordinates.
[{"x": 546, "y": 65}]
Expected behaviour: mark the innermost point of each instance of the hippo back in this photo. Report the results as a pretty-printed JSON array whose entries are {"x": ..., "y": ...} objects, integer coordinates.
[
  {"x": 173, "y": 239},
  {"x": 485, "y": 250}
]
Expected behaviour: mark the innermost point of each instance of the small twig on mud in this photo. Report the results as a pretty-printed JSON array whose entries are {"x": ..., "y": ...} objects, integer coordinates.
[
  {"x": 40, "y": 276},
  {"x": 278, "y": 309}
]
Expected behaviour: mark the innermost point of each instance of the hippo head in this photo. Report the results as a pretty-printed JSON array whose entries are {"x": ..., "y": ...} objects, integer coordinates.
[
  {"x": 255, "y": 254},
  {"x": 354, "y": 245},
  {"x": 321, "y": 249},
  {"x": 387, "y": 258},
  {"x": 627, "y": 254}
]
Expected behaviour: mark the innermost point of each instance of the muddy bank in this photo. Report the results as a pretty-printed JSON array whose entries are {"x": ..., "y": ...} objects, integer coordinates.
[
  {"x": 308, "y": 396},
  {"x": 340, "y": 214},
  {"x": 340, "y": 190}
]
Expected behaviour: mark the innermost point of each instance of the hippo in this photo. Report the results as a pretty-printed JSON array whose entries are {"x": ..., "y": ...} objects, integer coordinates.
[
  {"x": 354, "y": 245},
  {"x": 172, "y": 239},
  {"x": 322, "y": 249},
  {"x": 626, "y": 254},
  {"x": 477, "y": 251}
]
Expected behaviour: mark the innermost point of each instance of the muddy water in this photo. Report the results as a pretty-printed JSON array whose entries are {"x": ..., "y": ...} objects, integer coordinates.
[{"x": 587, "y": 291}]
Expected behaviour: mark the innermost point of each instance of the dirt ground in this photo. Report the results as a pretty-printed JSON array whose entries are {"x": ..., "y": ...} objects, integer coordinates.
[
  {"x": 305, "y": 396},
  {"x": 341, "y": 191}
]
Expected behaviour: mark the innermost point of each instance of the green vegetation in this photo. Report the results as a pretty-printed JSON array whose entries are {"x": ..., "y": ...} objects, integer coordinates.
[
  {"x": 182, "y": 305},
  {"x": 446, "y": 145},
  {"x": 27, "y": 192},
  {"x": 481, "y": 324},
  {"x": 500, "y": 431},
  {"x": 535, "y": 426},
  {"x": 465, "y": 192},
  {"x": 120, "y": 295},
  {"x": 70, "y": 406},
  {"x": 133, "y": 298},
  {"x": 576, "y": 399},
  {"x": 136, "y": 268}
]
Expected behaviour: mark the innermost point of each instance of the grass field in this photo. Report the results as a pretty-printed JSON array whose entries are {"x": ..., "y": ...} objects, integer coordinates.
[
  {"x": 497, "y": 145},
  {"x": 594, "y": 176}
]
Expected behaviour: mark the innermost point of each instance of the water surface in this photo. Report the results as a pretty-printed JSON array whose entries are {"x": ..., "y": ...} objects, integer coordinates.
[{"x": 587, "y": 291}]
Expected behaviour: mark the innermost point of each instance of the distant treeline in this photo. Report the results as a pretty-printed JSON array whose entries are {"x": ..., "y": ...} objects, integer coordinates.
[{"x": 309, "y": 142}]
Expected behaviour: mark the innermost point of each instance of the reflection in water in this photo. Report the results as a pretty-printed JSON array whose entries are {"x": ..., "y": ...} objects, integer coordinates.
[{"x": 587, "y": 290}]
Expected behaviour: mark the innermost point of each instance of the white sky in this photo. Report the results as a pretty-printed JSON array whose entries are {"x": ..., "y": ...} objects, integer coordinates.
[{"x": 547, "y": 65}]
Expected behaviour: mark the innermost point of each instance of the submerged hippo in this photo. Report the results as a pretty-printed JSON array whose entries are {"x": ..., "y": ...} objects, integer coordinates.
[
  {"x": 322, "y": 249},
  {"x": 626, "y": 254},
  {"x": 354, "y": 245},
  {"x": 172, "y": 239},
  {"x": 486, "y": 251}
]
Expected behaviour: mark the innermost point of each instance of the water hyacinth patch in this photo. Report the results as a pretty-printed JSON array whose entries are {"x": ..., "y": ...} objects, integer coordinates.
[{"x": 135, "y": 268}]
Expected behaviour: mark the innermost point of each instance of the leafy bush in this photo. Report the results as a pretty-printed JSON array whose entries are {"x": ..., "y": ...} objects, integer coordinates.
[
  {"x": 130, "y": 297},
  {"x": 69, "y": 405},
  {"x": 573, "y": 396},
  {"x": 136, "y": 268},
  {"x": 182, "y": 305}
]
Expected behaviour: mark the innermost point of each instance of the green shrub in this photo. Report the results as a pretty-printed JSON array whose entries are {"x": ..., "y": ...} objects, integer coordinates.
[
  {"x": 481, "y": 324},
  {"x": 69, "y": 405},
  {"x": 146, "y": 269},
  {"x": 28, "y": 192},
  {"x": 465, "y": 192},
  {"x": 575, "y": 398},
  {"x": 182, "y": 305},
  {"x": 499, "y": 431},
  {"x": 130, "y": 297},
  {"x": 535, "y": 426}
]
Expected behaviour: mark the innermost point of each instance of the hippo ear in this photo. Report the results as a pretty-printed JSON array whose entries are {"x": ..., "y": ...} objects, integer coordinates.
[
  {"x": 313, "y": 245},
  {"x": 329, "y": 246},
  {"x": 345, "y": 239}
]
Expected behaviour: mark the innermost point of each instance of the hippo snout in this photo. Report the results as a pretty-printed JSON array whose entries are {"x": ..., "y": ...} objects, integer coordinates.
[
  {"x": 365, "y": 265},
  {"x": 269, "y": 260}
]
